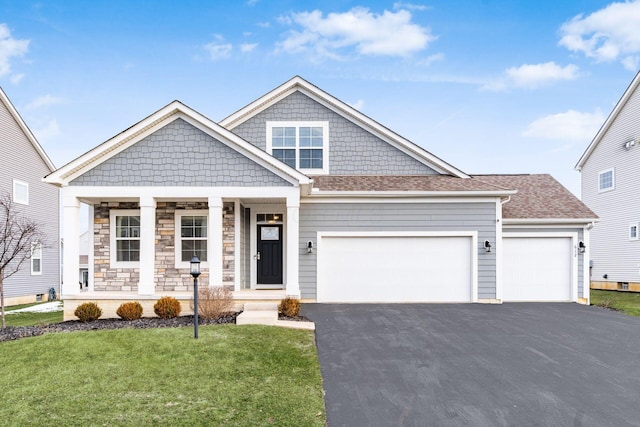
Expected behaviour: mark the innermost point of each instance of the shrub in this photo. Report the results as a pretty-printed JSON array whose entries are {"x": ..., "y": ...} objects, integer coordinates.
[
  {"x": 88, "y": 312},
  {"x": 167, "y": 308},
  {"x": 214, "y": 302},
  {"x": 129, "y": 311},
  {"x": 289, "y": 307}
]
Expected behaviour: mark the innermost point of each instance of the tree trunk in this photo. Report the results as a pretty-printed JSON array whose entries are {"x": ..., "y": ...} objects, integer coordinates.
[{"x": 2, "y": 299}]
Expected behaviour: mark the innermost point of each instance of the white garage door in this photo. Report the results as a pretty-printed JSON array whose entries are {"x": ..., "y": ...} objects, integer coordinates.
[
  {"x": 395, "y": 268},
  {"x": 537, "y": 268}
]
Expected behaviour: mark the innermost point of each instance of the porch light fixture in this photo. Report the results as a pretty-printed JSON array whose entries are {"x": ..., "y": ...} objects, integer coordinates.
[
  {"x": 487, "y": 246},
  {"x": 581, "y": 247},
  {"x": 309, "y": 247},
  {"x": 629, "y": 144},
  {"x": 195, "y": 272}
]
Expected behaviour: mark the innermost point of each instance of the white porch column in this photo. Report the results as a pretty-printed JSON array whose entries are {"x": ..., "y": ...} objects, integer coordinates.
[
  {"x": 293, "y": 246},
  {"x": 146, "y": 283},
  {"x": 71, "y": 255},
  {"x": 215, "y": 241}
]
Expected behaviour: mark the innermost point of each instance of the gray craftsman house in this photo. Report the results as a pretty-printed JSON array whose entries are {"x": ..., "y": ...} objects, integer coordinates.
[
  {"x": 610, "y": 171},
  {"x": 23, "y": 164},
  {"x": 300, "y": 194}
]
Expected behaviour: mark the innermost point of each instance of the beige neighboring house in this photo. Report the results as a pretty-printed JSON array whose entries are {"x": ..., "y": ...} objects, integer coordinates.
[
  {"x": 23, "y": 165},
  {"x": 610, "y": 173}
]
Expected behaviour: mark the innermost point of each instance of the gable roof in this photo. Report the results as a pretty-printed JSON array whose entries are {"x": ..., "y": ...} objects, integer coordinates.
[
  {"x": 539, "y": 197},
  {"x": 297, "y": 83},
  {"x": 155, "y": 121},
  {"x": 406, "y": 183},
  {"x": 25, "y": 129},
  {"x": 607, "y": 124}
]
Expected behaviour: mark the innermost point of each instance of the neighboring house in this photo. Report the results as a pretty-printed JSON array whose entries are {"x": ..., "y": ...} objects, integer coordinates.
[
  {"x": 83, "y": 272},
  {"x": 23, "y": 164},
  {"x": 610, "y": 172},
  {"x": 300, "y": 194}
]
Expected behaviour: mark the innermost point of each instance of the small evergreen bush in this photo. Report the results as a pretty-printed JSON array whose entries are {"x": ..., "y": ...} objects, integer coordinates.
[
  {"x": 129, "y": 311},
  {"x": 88, "y": 312},
  {"x": 289, "y": 307},
  {"x": 167, "y": 308}
]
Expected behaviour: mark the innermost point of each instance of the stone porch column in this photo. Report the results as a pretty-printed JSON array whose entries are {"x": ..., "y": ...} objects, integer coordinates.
[
  {"x": 71, "y": 256},
  {"x": 214, "y": 248},
  {"x": 292, "y": 286},
  {"x": 146, "y": 284}
]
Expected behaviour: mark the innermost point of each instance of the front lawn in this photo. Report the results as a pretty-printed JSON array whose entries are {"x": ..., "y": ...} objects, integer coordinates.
[
  {"x": 30, "y": 318},
  {"x": 626, "y": 302},
  {"x": 231, "y": 376}
]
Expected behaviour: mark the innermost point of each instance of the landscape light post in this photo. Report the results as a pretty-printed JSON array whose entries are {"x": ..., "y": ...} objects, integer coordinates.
[{"x": 195, "y": 272}]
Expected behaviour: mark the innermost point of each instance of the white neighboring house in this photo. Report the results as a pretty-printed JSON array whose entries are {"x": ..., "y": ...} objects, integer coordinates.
[
  {"x": 610, "y": 173},
  {"x": 23, "y": 164}
]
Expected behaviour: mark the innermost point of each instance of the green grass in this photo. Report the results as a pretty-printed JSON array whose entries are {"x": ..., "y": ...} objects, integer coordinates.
[
  {"x": 31, "y": 319},
  {"x": 625, "y": 302},
  {"x": 231, "y": 376}
]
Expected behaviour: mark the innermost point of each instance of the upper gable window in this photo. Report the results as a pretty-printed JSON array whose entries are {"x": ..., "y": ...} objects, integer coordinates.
[
  {"x": 301, "y": 145},
  {"x": 20, "y": 192},
  {"x": 606, "y": 180}
]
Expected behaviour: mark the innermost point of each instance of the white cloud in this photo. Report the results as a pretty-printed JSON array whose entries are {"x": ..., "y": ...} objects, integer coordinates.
[
  {"x": 571, "y": 126},
  {"x": 248, "y": 47},
  {"x": 358, "y": 105},
  {"x": 49, "y": 131},
  {"x": 437, "y": 57},
  {"x": 386, "y": 34},
  {"x": 608, "y": 34},
  {"x": 264, "y": 24},
  {"x": 43, "y": 101},
  {"x": 532, "y": 76},
  {"x": 409, "y": 6},
  {"x": 218, "y": 49},
  {"x": 16, "y": 78},
  {"x": 10, "y": 48}
]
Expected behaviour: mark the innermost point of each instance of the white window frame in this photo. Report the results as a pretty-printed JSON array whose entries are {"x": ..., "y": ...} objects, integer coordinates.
[
  {"x": 633, "y": 231},
  {"x": 22, "y": 201},
  {"x": 178, "y": 237},
  {"x": 36, "y": 246},
  {"x": 113, "y": 213},
  {"x": 298, "y": 124},
  {"x": 613, "y": 180}
]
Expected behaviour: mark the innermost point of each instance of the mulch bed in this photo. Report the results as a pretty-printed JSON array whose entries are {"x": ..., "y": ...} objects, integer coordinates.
[{"x": 17, "y": 332}]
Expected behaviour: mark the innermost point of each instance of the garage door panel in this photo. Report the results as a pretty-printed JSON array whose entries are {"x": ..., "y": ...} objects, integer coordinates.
[
  {"x": 394, "y": 269},
  {"x": 537, "y": 268}
]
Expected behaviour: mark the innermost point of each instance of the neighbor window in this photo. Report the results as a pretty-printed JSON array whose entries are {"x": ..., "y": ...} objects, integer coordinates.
[
  {"x": 125, "y": 237},
  {"x": 191, "y": 236},
  {"x": 20, "y": 192},
  {"x": 633, "y": 232},
  {"x": 36, "y": 259},
  {"x": 606, "y": 180},
  {"x": 301, "y": 145}
]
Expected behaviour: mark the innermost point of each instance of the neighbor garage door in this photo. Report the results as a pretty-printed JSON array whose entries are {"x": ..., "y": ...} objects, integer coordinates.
[
  {"x": 537, "y": 268},
  {"x": 395, "y": 268}
]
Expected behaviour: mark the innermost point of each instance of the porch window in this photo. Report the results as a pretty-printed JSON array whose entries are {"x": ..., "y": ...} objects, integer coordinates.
[
  {"x": 191, "y": 237},
  {"x": 301, "y": 145},
  {"x": 125, "y": 237},
  {"x": 36, "y": 259}
]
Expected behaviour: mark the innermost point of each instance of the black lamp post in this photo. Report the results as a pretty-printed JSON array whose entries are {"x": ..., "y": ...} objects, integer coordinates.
[{"x": 195, "y": 272}]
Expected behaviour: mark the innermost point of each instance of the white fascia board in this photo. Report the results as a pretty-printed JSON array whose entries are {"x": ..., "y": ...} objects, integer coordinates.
[
  {"x": 346, "y": 111},
  {"x": 607, "y": 123},
  {"x": 383, "y": 194},
  {"x": 578, "y": 222},
  {"x": 159, "y": 119},
  {"x": 398, "y": 199},
  {"x": 25, "y": 129}
]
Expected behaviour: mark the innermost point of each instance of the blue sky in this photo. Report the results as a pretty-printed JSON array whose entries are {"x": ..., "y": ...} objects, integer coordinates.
[{"x": 489, "y": 86}]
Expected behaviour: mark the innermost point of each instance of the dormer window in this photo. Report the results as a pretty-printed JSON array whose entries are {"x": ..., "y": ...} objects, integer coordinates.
[{"x": 301, "y": 145}]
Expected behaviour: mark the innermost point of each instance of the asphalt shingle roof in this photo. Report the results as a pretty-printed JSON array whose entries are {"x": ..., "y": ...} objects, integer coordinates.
[{"x": 401, "y": 183}]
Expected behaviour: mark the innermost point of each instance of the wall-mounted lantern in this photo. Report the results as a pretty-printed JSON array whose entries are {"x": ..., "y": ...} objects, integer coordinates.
[
  {"x": 487, "y": 246},
  {"x": 309, "y": 247},
  {"x": 581, "y": 247}
]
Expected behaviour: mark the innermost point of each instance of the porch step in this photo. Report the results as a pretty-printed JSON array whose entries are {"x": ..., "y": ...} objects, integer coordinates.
[{"x": 258, "y": 313}]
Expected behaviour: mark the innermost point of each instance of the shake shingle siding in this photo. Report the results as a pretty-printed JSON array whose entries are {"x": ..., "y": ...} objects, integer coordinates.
[
  {"x": 179, "y": 154},
  {"x": 317, "y": 217},
  {"x": 20, "y": 160},
  {"x": 352, "y": 150}
]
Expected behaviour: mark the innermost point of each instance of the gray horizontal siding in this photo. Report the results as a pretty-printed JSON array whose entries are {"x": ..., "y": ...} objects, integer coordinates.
[
  {"x": 325, "y": 217},
  {"x": 612, "y": 252},
  {"x": 581, "y": 258},
  {"x": 20, "y": 160},
  {"x": 352, "y": 150},
  {"x": 179, "y": 155}
]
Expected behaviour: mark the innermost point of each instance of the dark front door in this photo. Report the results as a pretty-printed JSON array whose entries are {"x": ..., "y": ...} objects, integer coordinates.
[{"x": 270, "y": 254}]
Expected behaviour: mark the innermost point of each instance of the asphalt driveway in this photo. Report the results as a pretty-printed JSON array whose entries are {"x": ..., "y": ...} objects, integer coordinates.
[{"x": 521, "y": 364}]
